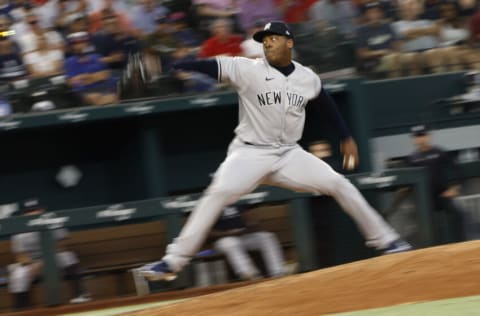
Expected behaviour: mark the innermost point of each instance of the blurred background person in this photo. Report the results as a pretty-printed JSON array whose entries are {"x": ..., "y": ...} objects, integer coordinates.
[
  {"x": 119, "y": 5},
  {"x": 114, "y": 45},
  {"x": 144, "y": 16},
  {"x": 439, "y": 164},
  {"x": 29, "y": 40},
  {"x": 59, "y": 13},
  {"x": 454, "y": 35},
  {"x": 46, "y": 61},
  {"x": 294, "y": 11},
  {"x": 222, "y": 41},
  {"x": 207, "y": 11},
  {"x": 11, "y": 63},
  {"x": 250, "y": 11},
  {"x": 28, "y": 261},
  {"x": 182, "y": 32},
  {"x": 160, "y": 44},
  {"x": 88, "y": 76},
  {"x": 377, "y": 45},
  {"x": 108, "y": 8},
  {"x": 421, "y": 40},
  {"x": 235, "y": 235},
  {"x": 339, "y": 14},
  {"x": 76, "y": 23},
  {"x": 53, "y": 12}
]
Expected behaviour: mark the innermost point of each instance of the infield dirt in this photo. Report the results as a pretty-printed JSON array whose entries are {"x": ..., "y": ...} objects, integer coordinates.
[{"x": 421, "y": 275}]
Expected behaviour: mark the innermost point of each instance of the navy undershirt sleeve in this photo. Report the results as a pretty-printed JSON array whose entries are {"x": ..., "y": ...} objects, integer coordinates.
[
  {"x": 326, "y": 106},
  {"x": 208, "y": 67}
]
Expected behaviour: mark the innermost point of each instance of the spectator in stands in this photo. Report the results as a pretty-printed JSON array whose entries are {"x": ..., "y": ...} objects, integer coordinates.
[
  {"x": 388, "y": 7},
  {"x": 87, "y": 74},
  {"x": 108, "y": 8},
  {"x": 250, "y": 11},
  {"x": 5, "y": 8},
  {"x": 474, "y": 41},
  {"x": 454, "y": 34},
  {"x": 19, "y": 14},
  {"x": 114, "y": 45},
  {"x": 118, "y": 5},
  {"x": 77, "y": 23},
  {"x": 223, "y": 41},
  {"x": 339, "y": 14},
  {"x": 144, "y": 16},
  {"x": 250, "y": 47},
  {"x": 28, "y": 41},
  {"x": 46, "y": 61},
  {"x": 431, "y": 10},
  {"x": 11, "y": 64},
  {"x": 20, "y": 9},
  {"x": 181, "y": 31},
  {"x": 421, "y": 39},
  {"x": 161, "y": 44},
  {"x": 207, "y": 11},
  {"x": 235, "y": 236},
  {"x": 467, "y": 8},
  {"x": 59, "y": 13},
  {"x": 377, "y": 46},
  {"x": 28, "y": 261},
  {"x": 295, "y": 11}
]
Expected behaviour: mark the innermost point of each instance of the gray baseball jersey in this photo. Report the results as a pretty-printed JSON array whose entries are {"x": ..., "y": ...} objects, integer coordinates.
[
  {"x": 271, "y": 105},
  {"x": 30, "y": 242}
]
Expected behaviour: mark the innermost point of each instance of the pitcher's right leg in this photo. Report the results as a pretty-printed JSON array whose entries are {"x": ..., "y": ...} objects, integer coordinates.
[{"x": 240, "y": 173}]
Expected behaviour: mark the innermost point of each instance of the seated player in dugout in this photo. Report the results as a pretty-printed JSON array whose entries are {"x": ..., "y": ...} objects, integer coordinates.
[
  {"x": 235, "y": 234},
  {"x": 28, "y": 264},
  {"x": 438, "y": 164}
]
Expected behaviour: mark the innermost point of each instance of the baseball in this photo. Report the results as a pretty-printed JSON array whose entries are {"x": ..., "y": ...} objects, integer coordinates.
[{"x": 350, "y": 162}]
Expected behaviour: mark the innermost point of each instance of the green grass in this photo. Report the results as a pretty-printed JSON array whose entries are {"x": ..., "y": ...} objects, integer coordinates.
[{"x": 464, "y": 306}]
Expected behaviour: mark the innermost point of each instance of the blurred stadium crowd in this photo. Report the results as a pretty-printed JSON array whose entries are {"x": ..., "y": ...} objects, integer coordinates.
[{"x": 67, "y": 53}]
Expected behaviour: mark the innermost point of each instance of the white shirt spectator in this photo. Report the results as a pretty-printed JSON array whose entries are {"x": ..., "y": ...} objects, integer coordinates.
[
  {"x": 145, "y": 21},
  {"x": 28, "y": 42},
  {"x": 43, "y": 61},
  {"x": 453, "y": 36},
  {"x": 48, "y": 12},
  {"x": 419, "y": 43}
]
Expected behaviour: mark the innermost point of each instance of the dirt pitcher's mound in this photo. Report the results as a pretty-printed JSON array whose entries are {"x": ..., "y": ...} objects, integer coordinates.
[{"x": 421, "y": 275}]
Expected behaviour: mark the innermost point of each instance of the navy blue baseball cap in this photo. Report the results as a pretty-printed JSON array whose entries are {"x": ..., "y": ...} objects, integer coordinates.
[{"x": 271, "y": 28}]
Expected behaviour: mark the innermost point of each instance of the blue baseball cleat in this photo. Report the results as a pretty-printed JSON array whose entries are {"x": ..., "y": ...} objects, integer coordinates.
[
  {"x": 157, "y": 271},
  {"x": 398, "y": 245}
]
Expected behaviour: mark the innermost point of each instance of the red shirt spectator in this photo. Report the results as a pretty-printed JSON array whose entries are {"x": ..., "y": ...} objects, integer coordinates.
[
  {"x": 475, "y": 28},
  {"x": 222, "y": 42},
  {"x": 294, "y": 11},
  {"x": 214, "y": 46},
  {"x": 95, "y": 19}
]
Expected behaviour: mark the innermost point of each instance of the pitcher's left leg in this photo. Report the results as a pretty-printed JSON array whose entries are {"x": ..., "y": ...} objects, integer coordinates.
[{"x": 303, "y": 171}]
